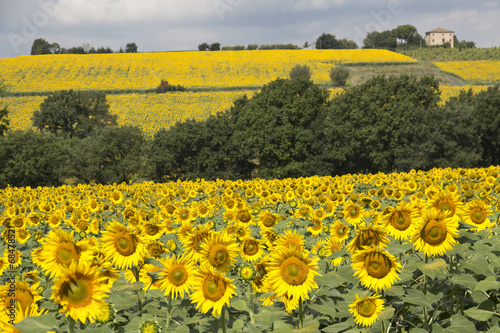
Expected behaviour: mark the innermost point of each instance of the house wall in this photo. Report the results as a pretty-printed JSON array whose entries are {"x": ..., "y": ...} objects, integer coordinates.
[{"x": 439, "y": 38}]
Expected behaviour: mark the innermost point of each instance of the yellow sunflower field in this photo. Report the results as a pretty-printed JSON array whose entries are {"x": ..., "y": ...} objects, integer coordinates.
[
  {"x": 478, "y": 71},
  {"x": 398, "y": 252}
]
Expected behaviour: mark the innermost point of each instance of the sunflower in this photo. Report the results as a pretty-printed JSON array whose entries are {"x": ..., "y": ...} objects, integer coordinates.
[
  {"x": 267, "y": 219},
  {"x": 292, "y": 272},
  {"x": 353, "y": 213},
  {"x": 332, "y": 245},
  {"x": 291, "y": 239},
  {"x": 4, "y": 264},
  {"x": 22, "y": 235},
  {"x": 367, "y": 236},
  {"x": 251, "y": 249},
  {"x": 80, "y": 292},
  {"x": 151, "y": 231},
  {"x": 59, "y": 250},
  {"x": 21, "y": 297},
  {"x": 316, "y": 227},
  {"x": 448, "y": 202},
  {"x": 13, "y": 257},
  {"x": 476, "y": 213},
  {"x": 155, "y": 249},
  {"x": 116, "y": 197},
  {"x": 219, "y": 251},
  {"x": 400, "y": 222},
  {"x": 213, "y": 290},
  {"x": 339, "y": 230},
  {"x": 366, "y": 310},
  {"x": 435, "y": 234},
  {"x": 376, "y": 269},
  {"x": 176, "y": 278},
  {"x": 122, "y": 246}
]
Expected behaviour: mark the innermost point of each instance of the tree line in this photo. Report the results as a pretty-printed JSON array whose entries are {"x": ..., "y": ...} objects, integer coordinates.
[
  {"x": 41, "y": 46},
  {"x": 291, "y": 128}
]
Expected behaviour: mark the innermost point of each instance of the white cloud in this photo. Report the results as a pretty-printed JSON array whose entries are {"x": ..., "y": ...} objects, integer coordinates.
[{"x": 307, "y": 5}]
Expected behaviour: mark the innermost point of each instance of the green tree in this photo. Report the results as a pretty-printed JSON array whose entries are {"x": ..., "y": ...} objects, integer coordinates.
[
  {"x": 110, "y": 155},
  {"x": 326, "y": 41},
  {"x": 73, "y": 113},
  {"x": 214, "y": 46},
  {"x": 40, "y": 46},
  {"x": 339, "y": 75},
  {"x": 380, "y": 40},
  {"x": 273, "y": 131},
  {"x": 203, "y": 47},
  {"x": 365, "y": 124},
  {"x": 32, "y": 159},
  {"x": 407, "y": 36},
  {"x": 131, "y": 48},
  {"x": 487, "y": 122},
  {"x": 303, "y": 71},
  {"x": 4, "y": 112}
]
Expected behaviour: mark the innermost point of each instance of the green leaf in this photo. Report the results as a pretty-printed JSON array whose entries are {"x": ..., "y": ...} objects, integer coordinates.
[
  {"x": 477, "y": 264},
  {"x": 417, "y": 297},
  {"x": 478, "y": 314},
  {"x": 43, "y": 323},
  {"x": 465, "y": 280},
  {"x": 487, "y": 284},
  {"x": 327, "y": 308},
  {"x": 309, "y": 326},
  {"x": 282, "y": 327},
  {"x": 433, "y": 269},
  {"x": 102, "y": 329}
]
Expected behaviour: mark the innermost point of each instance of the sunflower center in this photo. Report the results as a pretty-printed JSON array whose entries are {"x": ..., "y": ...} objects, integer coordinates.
[
  {"x": 401, "y": 221},
  {"x": 377, "y": 265},
  {"x": 367, "y": 238},
  {"x": 478, "y": 217},
  {"x": 22, "y": 296},
  {"x": 268, "y": 221},
  {"x": 66, "y": 252},
  {"x": 244, "y": 216},
  {"x": 151, "y": 230},
  {"x": 341, "y": 231},
  {"x": 184, "y": 215},
  {"x": 213, "y": 288},
  {"x": 125, "y": 243},
  {"x": 218, "y": 255},
  {"x": 18, "y": 222},
  {"x": 294, "y": 271},
  {"x": 367, "y": 308},
  {"x": 178, "y": 276},
  {"x": 433, "y": 233},
  {"x": 78, "y": 292},
  {"x": 448, "y": 207},
  {"x": 353, "y": 212},
  {"x": 251, "y": 247}
]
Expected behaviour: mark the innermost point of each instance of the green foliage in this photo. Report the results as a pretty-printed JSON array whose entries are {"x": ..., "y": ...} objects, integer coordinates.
[
  {"x": 73, "y": 113},
  {"x": 252, "y": 46},
  {"x": 339, "y": 75},
  {"x": 214, "y": 46},
  {"x": 288, "y": 46},
  {"x": 302, "y": 71},
  {"x": 32, "y": 159},
  {"x": 203, "y": 47},
  {"x": 486, "y": 111},
  {"x": 233, "y": 48},
  {"x": 455, "y": 54},
  {"x": 329, "y": 41},
  {"x": 4, "y": 112},
  {"x": 131, "y": 48},
  {"x": 391, "y": 124},
  {"x": 380, "y": 40},
  {"x": 164, "y": 86},
  {"x": 273, "y": 131},
  {"x": 109, "y": 155}
]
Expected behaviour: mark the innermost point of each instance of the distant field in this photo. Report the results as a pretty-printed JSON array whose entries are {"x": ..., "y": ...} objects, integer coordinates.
[
  {"x": 155, "y": 111},
  {"x": 192, "y": 69},
  {"x": 475, "y": 72},
  {"x": 432, "y": 54}
]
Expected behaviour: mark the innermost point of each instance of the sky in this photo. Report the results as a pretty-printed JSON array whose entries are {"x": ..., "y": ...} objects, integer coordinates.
[{"x": 169, "y": 25}]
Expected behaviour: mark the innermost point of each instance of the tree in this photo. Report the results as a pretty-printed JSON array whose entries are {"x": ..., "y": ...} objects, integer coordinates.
[
  {"x": 40, "y": 46},
  {"x": 110, "y": 155},
  {"x": 214, "y": 47},
  {"x": 380, "y": 40},
  {"x": 326, "y": 41},
  {"x": 4, "y": 112},
  {"x": 73, "y": 113},
  {"x": 300, "y": 71},
  {"x": 339, "y": 75},
  {"x": 347, "y": 44},
  {"x": 203, "y": 47},
  {"x": 273, "y": 131},
  {"x": 486, "y": 113},
  {"x": 32, "y": 159},
  {"x": 407, "y": 35},
  {"x": 131, "y": 48}
]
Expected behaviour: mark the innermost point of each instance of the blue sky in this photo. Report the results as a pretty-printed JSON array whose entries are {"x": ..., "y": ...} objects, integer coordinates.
[{"x": 161, "y": 25}]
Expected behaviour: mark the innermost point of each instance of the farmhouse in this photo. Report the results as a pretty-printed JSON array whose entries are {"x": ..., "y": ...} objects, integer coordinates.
[{"x": 439, "y": 36}]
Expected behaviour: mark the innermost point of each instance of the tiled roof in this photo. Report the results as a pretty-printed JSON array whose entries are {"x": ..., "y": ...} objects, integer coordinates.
[{"x": 439, "y": 29}]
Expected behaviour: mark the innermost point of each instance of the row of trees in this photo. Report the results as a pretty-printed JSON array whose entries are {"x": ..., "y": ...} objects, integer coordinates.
[
  {"x": 288, "y": 129},
  {"x": 404, "y": 37},
  {"x": 41, "y": 46}
]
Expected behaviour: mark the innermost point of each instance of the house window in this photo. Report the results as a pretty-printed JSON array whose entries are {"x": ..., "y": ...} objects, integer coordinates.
[{"x": 443, "y": 40}]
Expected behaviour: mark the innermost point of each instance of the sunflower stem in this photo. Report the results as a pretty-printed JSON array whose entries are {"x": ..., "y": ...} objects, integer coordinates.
[
  {"x": 169, "y": 310},
  {"x": 251, "y": 294},
  {"x": 301, "y": 313},
  {"x": 71, "y": 324},
  {"x": 426, "y": 324},
  {"x": 223, "y": 320}
]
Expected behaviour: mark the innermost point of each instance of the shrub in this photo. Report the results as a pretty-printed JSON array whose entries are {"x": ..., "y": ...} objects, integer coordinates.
[
  {"x": 164, "y": 86},
  {"x": 339, "y": 75},
  {"x": 252, "y": 46},
  {"x": 300, "y": 71}
]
